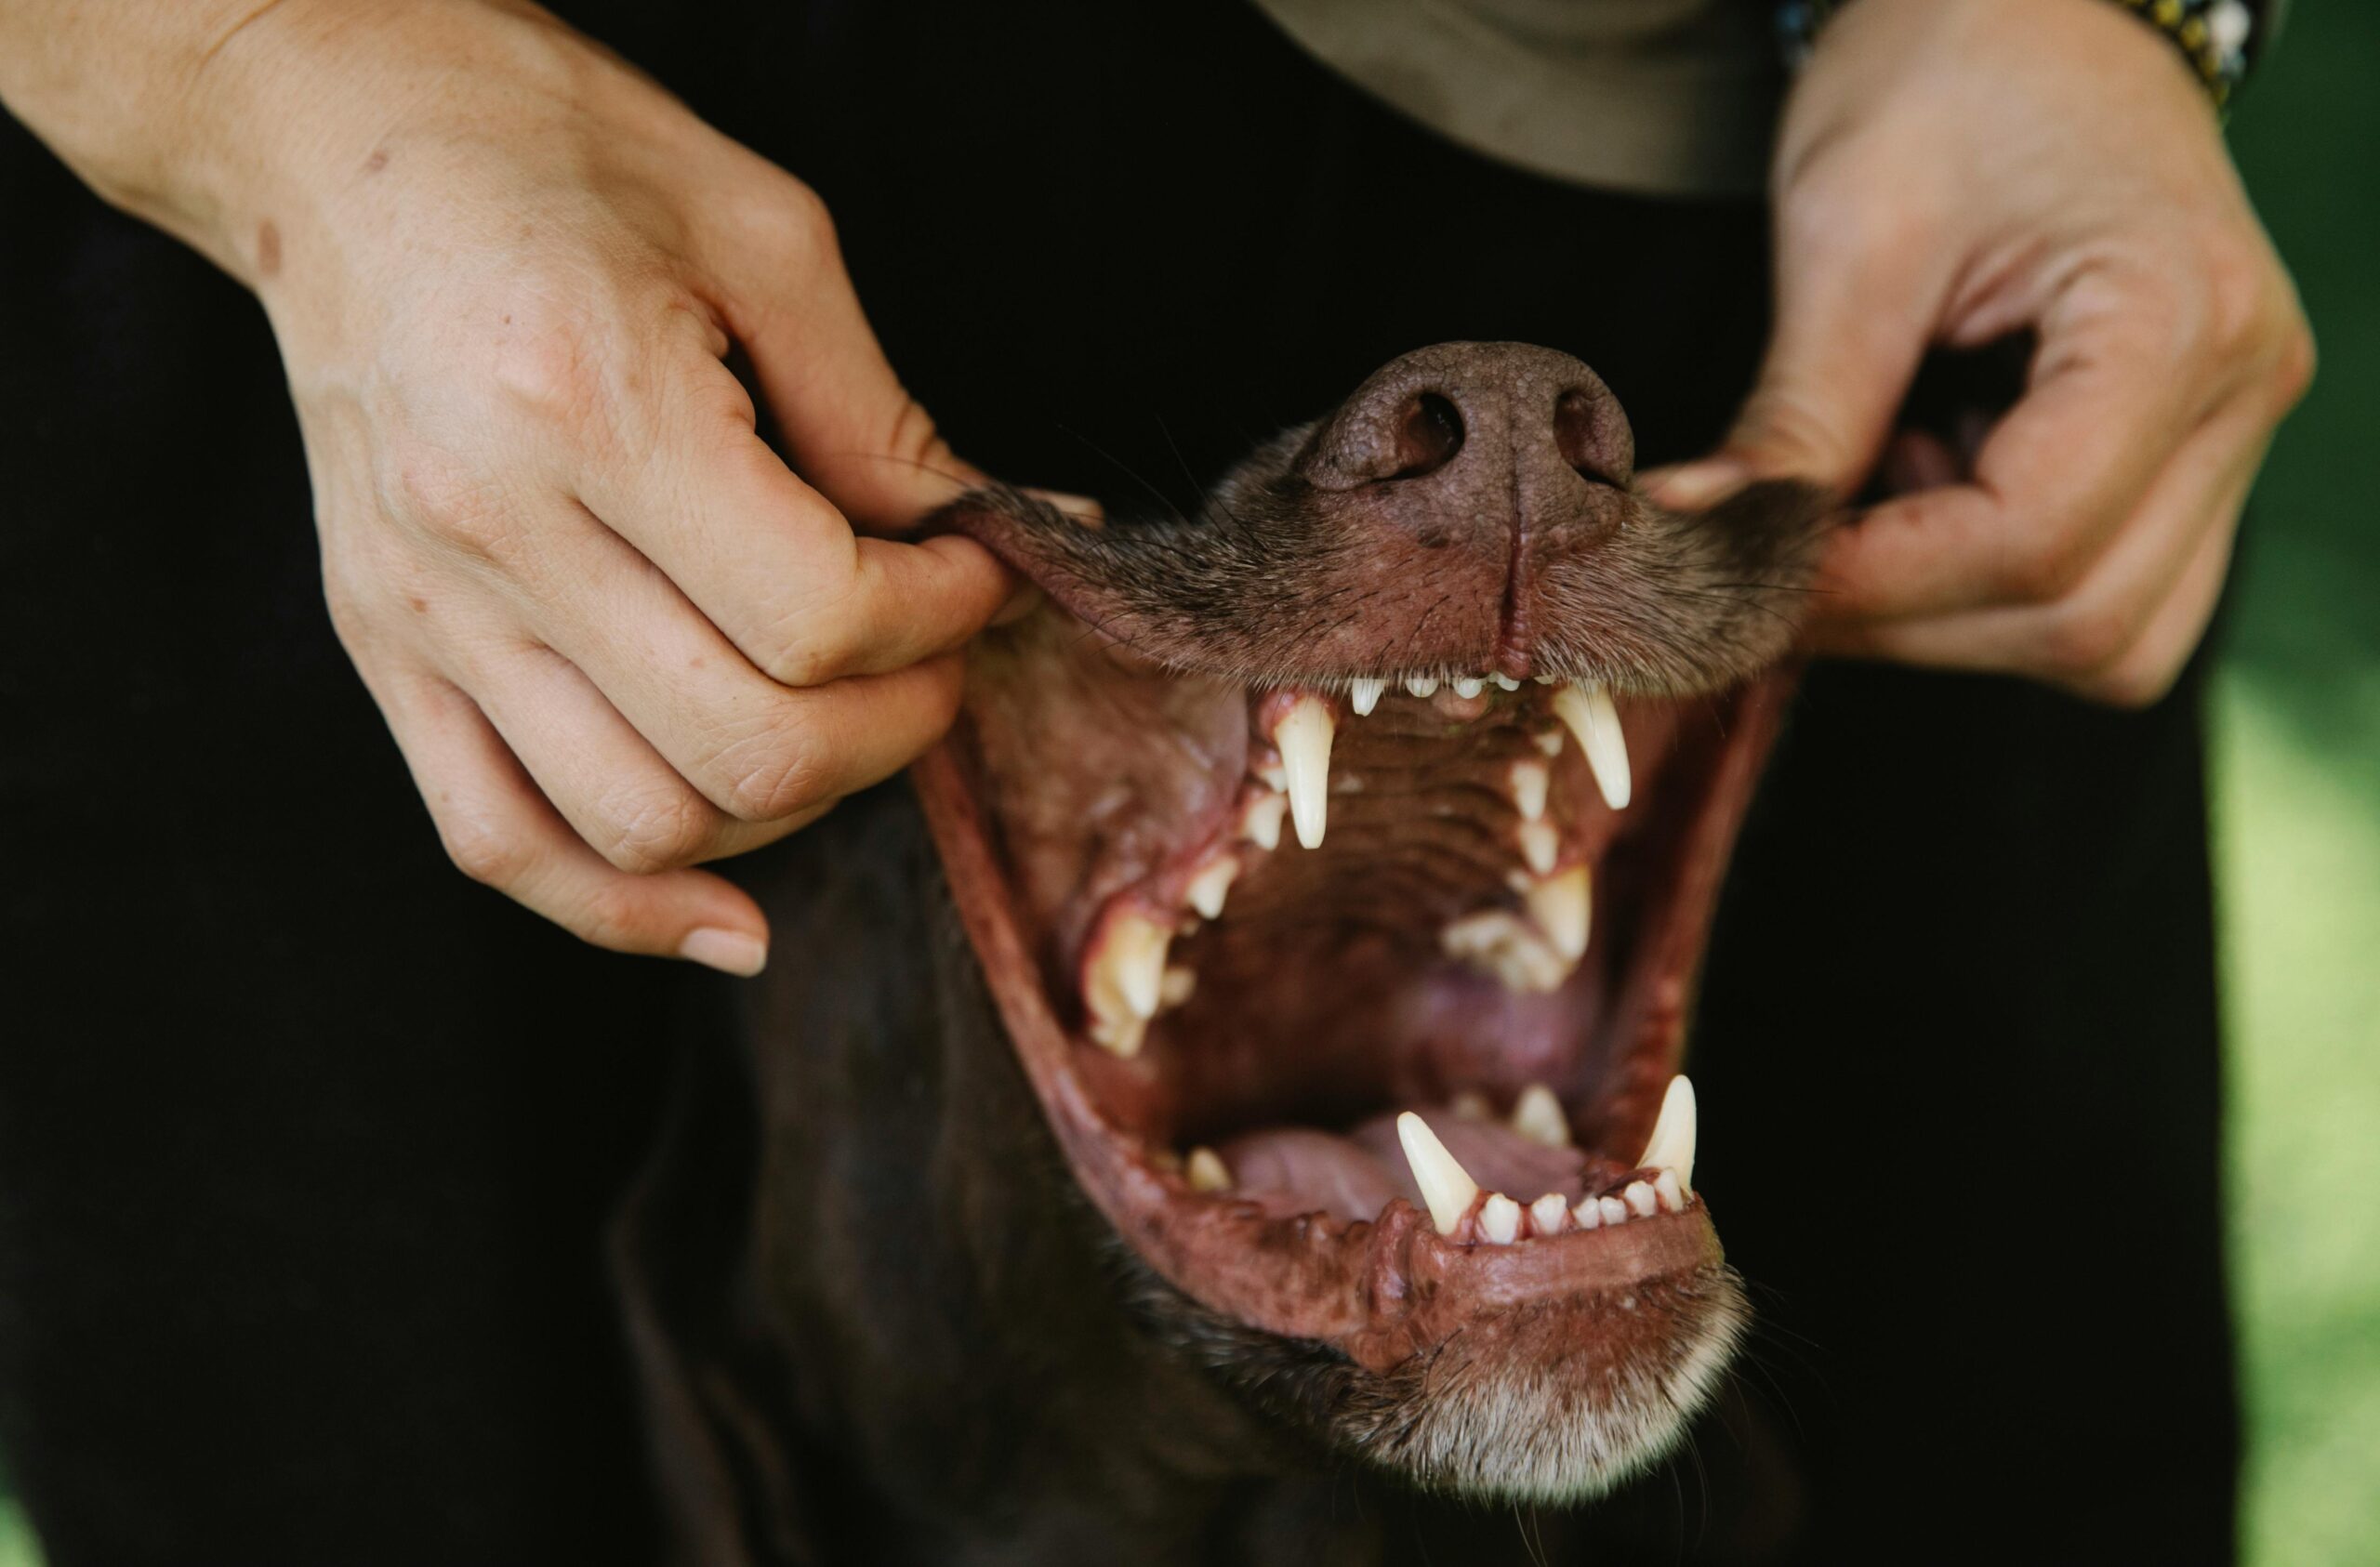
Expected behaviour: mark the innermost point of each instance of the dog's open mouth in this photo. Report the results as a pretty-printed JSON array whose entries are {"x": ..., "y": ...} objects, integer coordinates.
[{"x": 1340, "y": 861}]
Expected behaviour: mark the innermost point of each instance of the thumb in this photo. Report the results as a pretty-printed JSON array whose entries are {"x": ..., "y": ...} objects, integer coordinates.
[{"x": 1852, "y": 323}]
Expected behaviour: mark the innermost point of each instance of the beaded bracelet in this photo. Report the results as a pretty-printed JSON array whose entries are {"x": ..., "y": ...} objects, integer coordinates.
[{"x": 2220, "y": 38}]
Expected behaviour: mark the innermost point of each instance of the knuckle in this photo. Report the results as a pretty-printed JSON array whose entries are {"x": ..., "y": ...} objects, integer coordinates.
[
  {"x": 2293, "y": 374},
  {"x": 434, "y": 490},
  {"x": 613, "y": 917},
  {"x": 765, "y": 783},
  {"x": 2043, "y": 567},
  {"x": 2130, "y": 685},
  {"x": 545, "y": 360},
  {"x": 485, "y": 850},
  {"x": 2082, "y": 642},
  {"x": 653, "y": 830}
]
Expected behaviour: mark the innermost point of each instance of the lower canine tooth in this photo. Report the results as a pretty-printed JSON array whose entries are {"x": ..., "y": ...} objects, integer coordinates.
[
  {"x": 1640, "y": 1199},
  {"x": 1537, "y": 1115},
  {"x": 1562, "y": 904},
  {"x": 1446, "y": 1186},
  {"x": 1671, "y": 1145},
  {"x": 1207, "y": 1171},
  {"x": 1500, "y": 1219},
  {"x": 1549, "y": 1215},
  {"x": 1304, "y": 736},
  {"x": 1260, "y": 822},
  {"x": 1364, "y": 695},
  {"x": 1587, "y": 710},
  {"x": 1214, "y": 878}
]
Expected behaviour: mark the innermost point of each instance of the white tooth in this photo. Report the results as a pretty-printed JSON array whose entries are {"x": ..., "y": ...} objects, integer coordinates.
[
  {"x": 1214, "y": 878},
  {"x": 1303, "y": 734},
  {"x": 1546, "y": 679},
  {"x": 1446, "y": 1186},
  {"x": 1665, "y": 1187},
  {"x": 1530, "y": 779},
  {"x": 1471, "y": 1105},
  {"x": 1614, "y": 1211},
  {"x": 1588, "y": 1214},
  {"x": 1177, "y": 987},
  {"x": 1550, "y": 742},
  {"x": 1500, "y": 1219},
  {"x": 1640, "y": 1199},
  {"x": 1500, "y": 944},
  {"x": 1537, "y": 1115},
  {"x": 1588, "y": 710},
  {"x": 1561, "y": 905},
  {"x": 1505, "y": 682},
  {"x": 1549, "y": 1215},
  {"x": 1468, "y": 685},
  {"x": 1259, "y": 822},
  {"x": 1207, "y": 1171},
  {"x": 1126, "y": 980},
  {"x": 1364, "y": 695},
  {"x": 1421, "y": 685},
  {"x": 1539, "y": 843},
  {"x": 1273, "y": 775},
  {"x": 1671, "y": 1145}
]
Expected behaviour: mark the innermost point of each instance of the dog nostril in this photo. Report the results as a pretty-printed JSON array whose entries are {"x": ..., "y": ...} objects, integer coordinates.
[
  {"x": 1429, "y": 433},
  {"x": 1584, "y": 433}
]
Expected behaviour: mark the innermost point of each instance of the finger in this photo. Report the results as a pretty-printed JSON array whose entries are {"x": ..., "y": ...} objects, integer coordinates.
[
  {"x": 616, "y": 792},
  {"x": 2109, "y": 400},
  {"x": 499, "y": 831},
  {"x": 770, "y": 562},
  {"x": 1857, "y": 303},
  {"x": 754, "y": 748},
  {"x": 2148, "y": 670}
]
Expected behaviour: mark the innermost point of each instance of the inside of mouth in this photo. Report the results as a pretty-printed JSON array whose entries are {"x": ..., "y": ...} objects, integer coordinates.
[{"x": 1267, "y": 949}]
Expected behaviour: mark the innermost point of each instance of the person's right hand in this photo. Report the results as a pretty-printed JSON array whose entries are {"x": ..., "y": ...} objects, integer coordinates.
[{"x": 614, "y": 635}]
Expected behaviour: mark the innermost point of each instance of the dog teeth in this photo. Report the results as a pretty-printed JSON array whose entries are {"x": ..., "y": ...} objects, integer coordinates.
[
  {"x": 1178, "y": 986},
  {"x": 1537, "y": 1115},
  {"x": 1207, "y": 1172},
  {"x": 1304, "y": 736},
  {"x": 1505, "y": 682},
  {"x": 1665, "y": 1187},
  {"x": 1531, "y": 778},
  {"x": 1206, "y": 890},
  {"x": 1364, "y": 695},
  {"x": 1500, "y": 1219},
  {"x": 1468, "y": 685},
  {"x": 1588, "y": 1214},
  {"x": 1562, "y": 904},
  {"x": 1549, "y": 1215},
  {"x": 1260, "y": 820},
  {"x": 1500, "y": 943},
  {"x": 1446, "y": 1186},
  {"x": 1588, "y": 713},
  {"x": 1550, "y": 742},
  {"x": 1125, "y": 984},
  {"x": 1671, "y": 1145},
  {"x": 1420, "y": 685},
  {"x": 1541, "y": 844},
  {"x": 1639, "y": 1197},
  {"x": 1470, "y": 1104},
  {"x": 1614, "y": 1211}
]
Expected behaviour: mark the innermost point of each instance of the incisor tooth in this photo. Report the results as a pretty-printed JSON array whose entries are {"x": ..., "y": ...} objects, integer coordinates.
[
  {"x": 1666, "y": 1188},
  {"x": 1614, "y": 1211},
  {"x": 1537, "y": 1115},
  {"x": 1363, "y": 695},
  {"x": 1446, "y": 1186},
  {"x": 1214, "y": 878},
  {"x": 1500, "y": 1219},
  {"x": 1505, "y": 682},
  {"x": 1561, "y": 904},
  {"x": 1468, "y": 685},
  {"x": 1207, "y": 1171},
  {"x": 1671, "y": 1145},
  {"x": 1304, "y": 736},
  {"x": 1420, "y": 685},
  {"x": 1530, "y": 779},
  {"x": 1259, "y": 822},
  {"x": 1588, "y": 711},
  {"x": 1639, "y": 1197},
  {"x": 1549, "y": 1215},
  {"x": 1588, "y": 1214}
]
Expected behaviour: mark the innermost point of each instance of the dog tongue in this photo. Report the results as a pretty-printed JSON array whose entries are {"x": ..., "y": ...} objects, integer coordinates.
[{"x": 1290, "y": 1170}]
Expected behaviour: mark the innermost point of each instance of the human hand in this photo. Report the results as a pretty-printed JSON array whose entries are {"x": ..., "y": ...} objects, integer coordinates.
[
  {"x": 1952, "y": 171},
  {"x": 614, "y": 634}
]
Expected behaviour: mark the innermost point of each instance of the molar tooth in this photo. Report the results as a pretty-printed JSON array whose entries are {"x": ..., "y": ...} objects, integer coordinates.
[
  {"x": 1561, "y": 904},
  {"x": 1540, "y": 844},
  {"x": 1207, "y": 1171},
  {"x": 1587, "y": 710},
  {"x": 1549, "y": 1215},
  {"x": 1363, "y": 695},
  {"x": 1640, "y": 1199},
  {"x": 1303, "y": 734},
  {"x": 1500, "y": 1219},
  {"x": 1272, "y": 774},
  {"x": 1446, "y": 1186},
  {"x": 1500, "y": 944},
  {"x": 1178, "y": 986},
  {"x": 1530, "y": 779},
  {"x": 1468, "y": 685},
  {"x": 1550, "y": 742},
  {"x": 1671, "y": 1145},
  {"x": 1126, "y": 980},
  {"x": 1537, "y": 1115},
  {"x": 1665, "y": 1187},
  {"x": 1260, "y": 822},
  {"x": 1206, "y": 890},
  {"x": 1614, "y": 1211},
  {"x": 1470, "y": 1104},
  {"x": 1505, "y": 682},
  {"x": 1588, "y": 1214},
  {"x": 1421, "y": 685}
]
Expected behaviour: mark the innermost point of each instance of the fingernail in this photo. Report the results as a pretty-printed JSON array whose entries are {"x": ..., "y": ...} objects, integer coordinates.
[
  {"x": 730, "y": 952},
  {"x": 1698, "y": 486},
  {"x": 1081, "y": 508}
]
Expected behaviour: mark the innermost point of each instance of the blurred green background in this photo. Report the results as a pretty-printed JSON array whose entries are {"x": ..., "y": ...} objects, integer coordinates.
[{"x": 2297, "y": 834}]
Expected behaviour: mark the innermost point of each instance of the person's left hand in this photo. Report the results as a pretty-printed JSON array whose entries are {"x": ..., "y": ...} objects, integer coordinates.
[{"x": 1952, "y": 171}]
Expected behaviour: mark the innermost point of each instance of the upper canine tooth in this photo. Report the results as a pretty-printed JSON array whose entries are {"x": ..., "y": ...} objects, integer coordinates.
[
  {"x": 1259, "y": 822},
  {"x": 1589, "y": 712},
  {"x": 1666, "y": 1188},
  {"x": 1537, "y": 1115},
  {"x": 1671, "y": 1145},
  {"x": 1530, "y": 779},
  {"x": 1500, "y": 1219},
  {"x": 1420, "y": 685},
  {"x": 1214, "y": 878},
  {"x": 1207, "y": 1171},
  {"x": 1446, "y": 1186},
  {"x": 1304, "y": 736},
  {"x": 1561, "y": 904},
  {"x": 1468, "y": 685},
  {"x": 1126, "y": 984},
  {"x": 1363, "y": 695}
]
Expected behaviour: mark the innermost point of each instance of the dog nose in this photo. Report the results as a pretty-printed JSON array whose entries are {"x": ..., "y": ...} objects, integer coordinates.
[{"x": 1482, "y": 427}]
